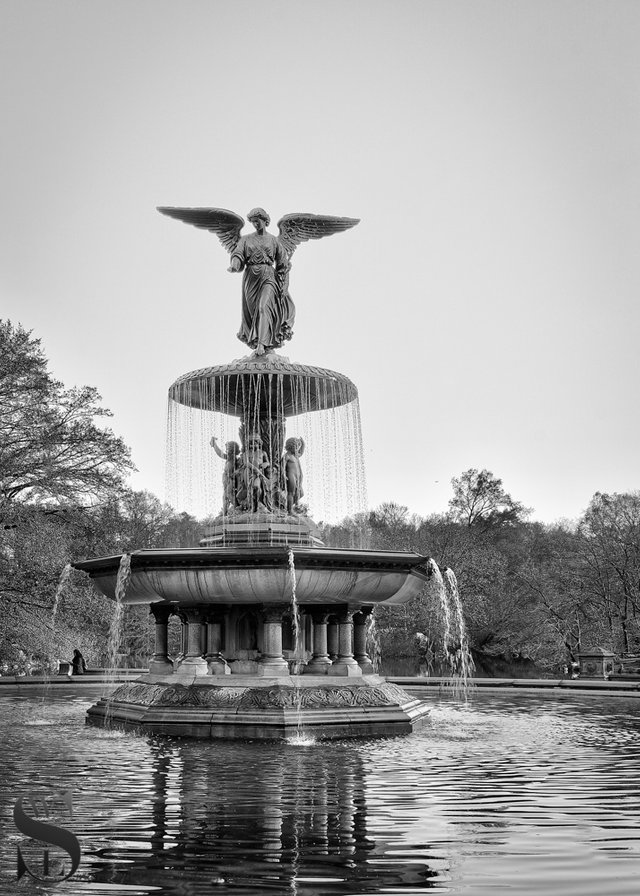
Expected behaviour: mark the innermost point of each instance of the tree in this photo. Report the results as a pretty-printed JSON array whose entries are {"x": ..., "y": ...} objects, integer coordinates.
[
  {"x": 34, "y": 578},
  {"x": 57, "y": 464},
  {"x": 391, "y": 527},
  {"x": 480, "y": 502},
  {"x": 36, "y": 548},
  {"x": 51, "y": 450},
  {"x": 352, "y": 532},
  {"x": 135, "y": 521},
  {"x": 553, "y": 578},
  {"x": 610, "y": 548}
]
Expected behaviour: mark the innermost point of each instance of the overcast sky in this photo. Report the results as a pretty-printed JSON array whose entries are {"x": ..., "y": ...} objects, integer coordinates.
[{"x": 486, "y": 306}]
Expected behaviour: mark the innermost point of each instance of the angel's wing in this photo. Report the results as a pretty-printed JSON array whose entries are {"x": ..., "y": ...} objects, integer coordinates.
[
  {"x": 225, "y": 224},
  {"x": 301, "y": 226}
]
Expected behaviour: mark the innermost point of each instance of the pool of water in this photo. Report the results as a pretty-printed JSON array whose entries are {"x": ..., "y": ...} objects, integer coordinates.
[{"x": 525, "y": 794}]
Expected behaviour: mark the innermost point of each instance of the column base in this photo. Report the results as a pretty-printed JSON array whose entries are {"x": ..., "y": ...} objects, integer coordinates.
[
  {"x": 319, "y": 666},
  {"x": 194, "y": 665},
  {"x": 218, "y": 666},
  {"x": 348, "y": 669},
  {"x": 267, "y": 668},
  {"x": 161, "y": 666},
  {"x": 366, "y": 665}
]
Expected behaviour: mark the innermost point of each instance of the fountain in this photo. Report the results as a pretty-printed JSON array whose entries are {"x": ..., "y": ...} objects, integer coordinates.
[
  {"x": 521, "y": 789},
  {"x": 261, "y": 564}
]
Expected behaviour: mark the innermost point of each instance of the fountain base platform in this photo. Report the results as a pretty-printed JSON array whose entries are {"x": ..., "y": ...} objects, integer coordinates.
[
  {"x": 259, "y": 708},
  {"x": 262, "y": 529}
]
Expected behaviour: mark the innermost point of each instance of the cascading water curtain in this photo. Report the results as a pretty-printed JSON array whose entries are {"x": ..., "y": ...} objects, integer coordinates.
[
  {"x": 193, "y": 471},
  {"x": 333, "y": 460}
]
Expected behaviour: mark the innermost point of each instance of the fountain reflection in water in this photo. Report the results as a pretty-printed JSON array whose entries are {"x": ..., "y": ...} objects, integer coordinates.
[{"x": 508, "y": 793}]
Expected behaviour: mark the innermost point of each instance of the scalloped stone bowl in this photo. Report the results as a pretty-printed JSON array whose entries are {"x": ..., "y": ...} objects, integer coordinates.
[
  {"x": 250, "y": 575},
  {"x": 271, "y": 381}
]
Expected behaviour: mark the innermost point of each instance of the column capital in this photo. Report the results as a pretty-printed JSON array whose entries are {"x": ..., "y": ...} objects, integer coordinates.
[
  {"x": 192, "y": 614},
  {"x": 215, "y": 613},
  {"x": 161, "y": 612},
  {"x": 274, "y": 612},
  {"x": 361, "y": 615},
  {"x": 320, "y": 615},
  {"x": 345, "y": 614}
]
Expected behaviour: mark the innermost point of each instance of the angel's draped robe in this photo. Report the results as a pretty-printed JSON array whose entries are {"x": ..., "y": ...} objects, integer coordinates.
[{"x": 267, "y": 309}]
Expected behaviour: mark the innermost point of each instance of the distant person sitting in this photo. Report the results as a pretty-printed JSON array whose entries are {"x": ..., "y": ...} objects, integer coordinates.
[
  {"x": 78, "y": 664},
  {"x": 575, "y": 670}
]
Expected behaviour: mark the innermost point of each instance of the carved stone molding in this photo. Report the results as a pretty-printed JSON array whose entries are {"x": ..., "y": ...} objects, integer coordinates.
[{"x": 251, "y": 698}]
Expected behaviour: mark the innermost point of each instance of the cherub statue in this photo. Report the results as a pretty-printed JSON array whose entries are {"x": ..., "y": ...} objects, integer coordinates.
[
  {"x": 231, "y": 457},
  {"x": 255, "y": 489},
  {"x": 268, "y": 311},
  {"x": 292, "y": 470}
]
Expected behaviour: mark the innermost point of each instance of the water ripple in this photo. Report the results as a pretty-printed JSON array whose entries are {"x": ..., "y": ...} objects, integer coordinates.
[{"x": 523, "y": 793}]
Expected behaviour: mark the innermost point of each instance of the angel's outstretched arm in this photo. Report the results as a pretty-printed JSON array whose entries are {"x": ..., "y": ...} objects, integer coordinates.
[{"x": 237, "y": 258}]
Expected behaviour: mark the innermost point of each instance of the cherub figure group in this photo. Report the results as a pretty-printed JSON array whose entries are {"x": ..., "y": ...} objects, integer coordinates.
[{"x": 250, "y": 482}]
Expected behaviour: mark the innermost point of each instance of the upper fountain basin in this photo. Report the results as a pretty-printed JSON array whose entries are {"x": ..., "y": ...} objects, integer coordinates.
[
  {"x": 271, "y": 382},
  {"x": 251, "y": 575}
]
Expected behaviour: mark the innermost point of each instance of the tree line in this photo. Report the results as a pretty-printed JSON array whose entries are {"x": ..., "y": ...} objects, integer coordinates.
[{"x": 532, "y": 593}]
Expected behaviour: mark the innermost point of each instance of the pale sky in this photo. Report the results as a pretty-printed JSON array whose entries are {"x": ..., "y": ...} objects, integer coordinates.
[{"x": 487, "y": 304}]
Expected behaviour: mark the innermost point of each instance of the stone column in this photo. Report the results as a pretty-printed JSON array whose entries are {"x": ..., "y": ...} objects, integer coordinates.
[
  {"x": 360, "y": 640},
  {"x": 161, "y": 664},
  {"x": 346, "y": 663},
  {"x": 320, "y": 663},
  {"x": 217, "y": 664},
  {"x": 332, "y": 639},
  {"x": 193, "y": 660},
  {"x": 183, "y": 639},
  {"x": 272, "y": 661}
]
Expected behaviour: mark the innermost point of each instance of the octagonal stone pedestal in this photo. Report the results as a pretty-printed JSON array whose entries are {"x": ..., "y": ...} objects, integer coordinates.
[{"x": 326, "y": 707}]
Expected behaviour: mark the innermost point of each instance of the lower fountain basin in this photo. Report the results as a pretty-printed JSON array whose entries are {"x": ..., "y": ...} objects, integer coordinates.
[
  {"x": 250, "y": 575},
  {"x": 243, "y": 707},
  {"x": 232, "y": 679}
]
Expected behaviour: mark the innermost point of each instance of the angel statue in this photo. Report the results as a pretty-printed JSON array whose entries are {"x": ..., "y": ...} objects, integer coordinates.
[{"x": 268, "y": 311}]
